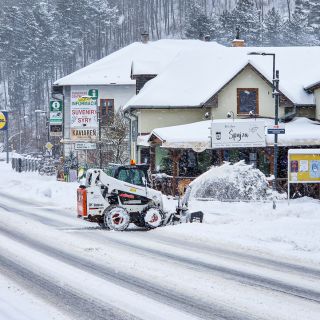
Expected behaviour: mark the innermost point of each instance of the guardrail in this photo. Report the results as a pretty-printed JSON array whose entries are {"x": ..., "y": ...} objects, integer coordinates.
[
  {"x": 25, "y": 164},
  {"x": 29, "y": 164}
]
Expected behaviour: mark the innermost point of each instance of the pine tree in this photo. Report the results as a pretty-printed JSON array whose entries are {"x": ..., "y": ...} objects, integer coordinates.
[
  {"x": 198, "y": 24},
  {"x": 227, "y": 28},
  {"x": 297, "y": 33},
  {"x": 302, "y": 7},
  {"x": 246, "y": 18},
  {"x": 272, "y": 28},
  {"x": 314, "y": 17}
]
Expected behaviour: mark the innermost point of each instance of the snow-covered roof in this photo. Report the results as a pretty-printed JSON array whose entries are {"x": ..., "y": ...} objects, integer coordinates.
[
  {"x": 144, "y": 58},
  {"x": 299, "y": 131},
  {"x": 193, "y": 77}
]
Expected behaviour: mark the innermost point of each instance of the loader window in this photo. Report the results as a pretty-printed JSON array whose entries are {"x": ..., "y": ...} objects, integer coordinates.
[{"x": 130, "y": 175}]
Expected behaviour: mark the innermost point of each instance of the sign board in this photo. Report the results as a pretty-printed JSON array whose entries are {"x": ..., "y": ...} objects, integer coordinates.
[
  {"x": 49, "y": 145},
  {"x": 55, "y": 130},
  {"x": 84, "y": 120},
  {"x": 3, "y": 120},
  {"x": 304, "y": 165},
  {"x": 276, "y": 129},
  {"x": 56, "y": 111},
  {"x": 85, "y": 146},
  {"x": 84, "y": 134},
  {"x": 83, "y": 109},
  {"x": 238, "y": 134}
]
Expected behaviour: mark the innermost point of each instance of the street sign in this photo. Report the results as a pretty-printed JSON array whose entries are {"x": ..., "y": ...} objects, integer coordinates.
[
  {"x": 56, "y": 105},
  {"x": 94, "y": 93},
  {"x": 56, "y": 111},
  {"x": 276, "y": 129},
  {"x": 49, "y": 145},
  {"x": 3, "y": 120},
  {"x": 85, "y": 146},
  {"x": 55, "y": 130}
]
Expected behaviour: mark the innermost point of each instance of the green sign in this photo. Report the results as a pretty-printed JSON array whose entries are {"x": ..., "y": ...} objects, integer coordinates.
[
  {"x": 94, "y": 93},
  {"x": 56, "y": 106},
  {"x": 56, "y": 113}
]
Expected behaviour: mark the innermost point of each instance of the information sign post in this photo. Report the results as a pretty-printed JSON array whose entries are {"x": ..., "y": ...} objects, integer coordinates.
[{"x": 303, "y": 166}]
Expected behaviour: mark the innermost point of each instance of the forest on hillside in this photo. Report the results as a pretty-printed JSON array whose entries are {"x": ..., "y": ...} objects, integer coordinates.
[{"x": 42, "y": 40}]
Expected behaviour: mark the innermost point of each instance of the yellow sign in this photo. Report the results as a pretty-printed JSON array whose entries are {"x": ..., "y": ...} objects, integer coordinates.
[
  {"x": 304, "y": 165},
  {"x": 3, "y": 120},
  {"x": 49, "y": 145}
]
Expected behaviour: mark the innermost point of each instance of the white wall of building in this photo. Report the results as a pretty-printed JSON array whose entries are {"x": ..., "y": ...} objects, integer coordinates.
[
  {"x": 150, "y": 119},
  {"x": 227, "y": 98}
]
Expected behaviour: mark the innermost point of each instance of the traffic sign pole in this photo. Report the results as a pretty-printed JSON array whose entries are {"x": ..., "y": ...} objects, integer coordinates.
[{"x": 7, "y": 143}]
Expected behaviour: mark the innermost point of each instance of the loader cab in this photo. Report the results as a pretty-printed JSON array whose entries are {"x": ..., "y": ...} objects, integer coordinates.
[{"x": 134, "y": 174}]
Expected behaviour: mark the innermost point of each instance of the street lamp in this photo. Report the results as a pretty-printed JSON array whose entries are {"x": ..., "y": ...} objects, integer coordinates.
[{"x": 276, "y": 96}]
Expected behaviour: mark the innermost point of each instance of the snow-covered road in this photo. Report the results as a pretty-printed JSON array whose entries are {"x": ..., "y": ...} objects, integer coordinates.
[{"x": 55, "y": 266}]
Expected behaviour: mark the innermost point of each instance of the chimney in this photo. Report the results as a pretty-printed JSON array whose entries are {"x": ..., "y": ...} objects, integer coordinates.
[
  {"x": 144, "y": 37},
  {"x": 237, "y": 42},
  {"x": 207, "y": 38}
]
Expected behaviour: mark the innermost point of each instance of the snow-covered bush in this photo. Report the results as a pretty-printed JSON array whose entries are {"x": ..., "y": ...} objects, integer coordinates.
[{"x": 236, "y": 182}]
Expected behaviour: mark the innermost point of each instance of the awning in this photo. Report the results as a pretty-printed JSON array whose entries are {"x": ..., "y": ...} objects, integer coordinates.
[{"x": 196, "y": 136}]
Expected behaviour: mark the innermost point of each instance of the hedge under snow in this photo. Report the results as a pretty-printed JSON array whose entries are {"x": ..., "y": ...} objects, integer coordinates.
[{"x": 236, "y": 182}]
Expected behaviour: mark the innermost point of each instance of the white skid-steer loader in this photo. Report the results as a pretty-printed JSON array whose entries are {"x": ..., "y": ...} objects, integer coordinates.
[{"x": 121, "y": 195}]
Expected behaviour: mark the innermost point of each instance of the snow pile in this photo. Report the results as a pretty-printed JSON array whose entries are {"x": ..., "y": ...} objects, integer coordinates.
[
  {"x": 232, "y": 182},
  {"x": 33, "y": 187}
]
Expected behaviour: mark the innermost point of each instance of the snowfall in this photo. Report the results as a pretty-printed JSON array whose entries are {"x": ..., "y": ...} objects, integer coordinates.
[{"x": 289, "y": 233}]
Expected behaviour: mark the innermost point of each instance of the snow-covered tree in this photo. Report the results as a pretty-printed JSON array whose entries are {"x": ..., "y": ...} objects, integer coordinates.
[
  {"x": 297, "y": 31},
  {"x": 314, "y": 17},
  {"x": 198, "y": 24},
  {"x": 302, "y": 7},
  {"x": 246, "y": 18},
  {"x": 272, "y": 28},
  {"x": 227, "y": 30}
]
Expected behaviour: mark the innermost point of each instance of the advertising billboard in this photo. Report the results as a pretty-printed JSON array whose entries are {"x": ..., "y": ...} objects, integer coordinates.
[
  {"x": 84, "y": 120},
  {"x": 304, "y": 166},
  {"x": 3, "y": 120},
  {"x": 236, "y": 134}
]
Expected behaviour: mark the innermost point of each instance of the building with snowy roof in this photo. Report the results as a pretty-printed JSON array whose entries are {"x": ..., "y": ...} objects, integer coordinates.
[
  {"x": 113, "y": 80},
  {"x": 210, "y": 83}
]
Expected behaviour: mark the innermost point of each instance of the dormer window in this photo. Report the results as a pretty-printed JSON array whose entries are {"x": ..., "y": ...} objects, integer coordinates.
[{"x": 247, "y": 100}]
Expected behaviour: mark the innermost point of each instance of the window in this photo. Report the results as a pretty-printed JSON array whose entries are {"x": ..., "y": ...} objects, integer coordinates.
[
  {"x": 106, "y": 111},
  {"x": 247, "y": 100},
  {"x": 133, "y": 176}
]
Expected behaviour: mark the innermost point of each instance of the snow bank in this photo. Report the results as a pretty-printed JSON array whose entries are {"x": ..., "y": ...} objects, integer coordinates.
[
  {"x": 233, "y": 182},
  {"x": 33, "y": 187}
]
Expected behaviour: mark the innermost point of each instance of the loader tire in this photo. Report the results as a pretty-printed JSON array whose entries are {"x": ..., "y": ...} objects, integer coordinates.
[
  {"x": 153, "y": 217},
  {"x": 116, "y": 218}
]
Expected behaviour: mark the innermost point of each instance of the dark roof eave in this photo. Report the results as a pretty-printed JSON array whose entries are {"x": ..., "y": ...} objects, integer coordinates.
[
  {"x": 301, "y": 105},
  {"x": 312, "y": 87},
  {"x": 135, "y": 75}
]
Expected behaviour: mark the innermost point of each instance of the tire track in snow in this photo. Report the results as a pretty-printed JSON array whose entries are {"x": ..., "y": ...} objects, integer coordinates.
[
  {"x": 79, "y": 307},
  {"x": 242, "y": 277},
  {"x": 174, "y": 299},
  {"x": 227, "y": 253},
  {"x": 233, "y": 255}
]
